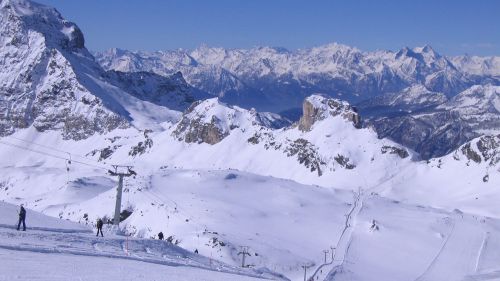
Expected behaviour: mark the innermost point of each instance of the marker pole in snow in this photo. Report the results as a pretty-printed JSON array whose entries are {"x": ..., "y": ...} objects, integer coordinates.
[
  {"x": 305, "y": 267},
  {"x": 126, "y": 247},
  {"x": 326, "y": 253},
  {"x": 119, "y": 190},
  {"x": 333, "y": 253}
]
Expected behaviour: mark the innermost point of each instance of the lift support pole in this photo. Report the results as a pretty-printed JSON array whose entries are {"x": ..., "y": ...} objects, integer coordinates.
[{"x": 119, "y": 190}]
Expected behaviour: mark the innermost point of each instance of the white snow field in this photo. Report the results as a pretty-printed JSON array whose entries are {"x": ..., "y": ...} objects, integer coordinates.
[
  {"x": 284, "y": 224},
  {"x": 55, "y": 249},
  {"x": 191, "y": 192}
]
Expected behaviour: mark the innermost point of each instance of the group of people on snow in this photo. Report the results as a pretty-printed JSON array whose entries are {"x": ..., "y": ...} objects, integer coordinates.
[
  {"x": 22, "y": 220},
  {"x": 99, "y": 225}
]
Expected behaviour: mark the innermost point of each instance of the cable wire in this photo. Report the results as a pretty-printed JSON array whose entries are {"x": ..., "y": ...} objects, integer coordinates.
[
  {"x": 52, "y": 148},
  {"x": 52, "y": 155}
]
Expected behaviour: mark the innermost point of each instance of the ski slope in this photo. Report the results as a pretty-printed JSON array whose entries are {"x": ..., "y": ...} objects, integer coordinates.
[
  {"x": 412, "y": 242},
  {"x": 55, "y": 249}
]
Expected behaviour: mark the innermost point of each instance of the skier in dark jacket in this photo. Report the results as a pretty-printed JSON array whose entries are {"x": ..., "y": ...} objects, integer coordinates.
[
  {"x": 99, "y": 227},
  {"x": 160, "y": 235},
  {"x": 22, "y": 218}
]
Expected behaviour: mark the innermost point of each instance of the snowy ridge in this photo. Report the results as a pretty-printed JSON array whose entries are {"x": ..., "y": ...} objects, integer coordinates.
[{"x": 478, "y": 65}]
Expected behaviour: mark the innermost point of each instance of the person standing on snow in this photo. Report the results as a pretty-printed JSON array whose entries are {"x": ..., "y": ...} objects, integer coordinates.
[
  {"x": 99, "y": 227},
  {"x": 22, "y": 218},
  {"x": 160, "y": 235}
]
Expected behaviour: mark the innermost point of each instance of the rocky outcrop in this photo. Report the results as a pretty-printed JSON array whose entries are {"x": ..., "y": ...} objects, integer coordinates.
[
  {"x": 199, "y": 132},
  {"x": 483, "y": 149},
  {"x": 142, "y": 146},
  {"x": 316, "y": 108},
  {"x": 197, "y": 126},
  {"x": 344, "y": 162},
  {"x": 307, "y": 155},
  {"x": 401, "y": 152}
]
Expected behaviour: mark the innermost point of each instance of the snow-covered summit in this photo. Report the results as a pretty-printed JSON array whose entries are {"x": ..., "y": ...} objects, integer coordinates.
[
  {"x": 51, "y": 82},
  {"x": 210, "y": 120},
  {"x": 47, "y": 21}
]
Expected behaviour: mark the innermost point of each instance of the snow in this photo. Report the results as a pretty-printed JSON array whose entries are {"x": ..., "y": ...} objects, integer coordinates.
[
  {"x": 193, "y": 193},
  {"x": 54, "y": 249},
  {"x": 285, "y": 193}
]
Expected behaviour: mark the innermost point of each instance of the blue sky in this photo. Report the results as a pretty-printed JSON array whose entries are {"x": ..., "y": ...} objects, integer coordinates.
[{"x": 451, "y": 26}]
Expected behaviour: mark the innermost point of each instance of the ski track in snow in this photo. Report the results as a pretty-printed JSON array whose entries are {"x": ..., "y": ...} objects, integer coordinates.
[
  {"x": 469, "y": 241},
  {"x": 342, "y": 245},
  {"x": 433, "y": 263}
]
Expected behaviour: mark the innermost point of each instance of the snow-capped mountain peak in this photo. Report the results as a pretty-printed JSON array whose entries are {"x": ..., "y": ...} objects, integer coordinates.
[{"x": 210, "y": 121}]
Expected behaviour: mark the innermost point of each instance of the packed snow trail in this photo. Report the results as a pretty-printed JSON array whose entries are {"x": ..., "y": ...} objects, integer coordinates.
[
  {"x": 26, "y": 253},
  {"x": 342, "y": 246},
  {"x": 461, "y": 251}
]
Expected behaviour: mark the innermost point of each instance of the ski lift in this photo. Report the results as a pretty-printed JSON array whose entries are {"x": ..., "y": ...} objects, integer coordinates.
[{"x": 68, "y": 162}]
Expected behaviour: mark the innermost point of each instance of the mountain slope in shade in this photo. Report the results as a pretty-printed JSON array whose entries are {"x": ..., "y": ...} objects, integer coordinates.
[{"x": 439, "y": 129}]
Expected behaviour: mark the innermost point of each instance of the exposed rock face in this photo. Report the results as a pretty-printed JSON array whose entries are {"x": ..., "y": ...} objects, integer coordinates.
[
  {"x": 485, "y": 148},
  {"x": 196, "y": 126},
  {"x": 199, "y": 132},
  {"x": 316, "y": 108},
  {"x": 307, "y": 155},
  {"x": 344, "y": 162},
  {"x": 142, "y": 146},
  {"x": 172, "y": 92},
  {"x": 401, "y": 152},
  {"x": 42, "y": 65}
]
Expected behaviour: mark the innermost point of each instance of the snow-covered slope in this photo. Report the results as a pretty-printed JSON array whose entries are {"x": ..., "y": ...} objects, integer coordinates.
[
  {"x": 466, "y": 179},
  {"x": 188, "y": 191},
  {"x": 325, "y": 147},
  {"x": 478, "y": 65},
  {"x": 55, "y": 249}
]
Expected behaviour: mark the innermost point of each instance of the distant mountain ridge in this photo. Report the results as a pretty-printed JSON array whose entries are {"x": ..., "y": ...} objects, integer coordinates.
[{"x": 282, "y": 78}]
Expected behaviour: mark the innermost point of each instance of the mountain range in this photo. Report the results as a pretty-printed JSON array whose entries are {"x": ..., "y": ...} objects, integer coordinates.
[{"x": 390, "y": 89}]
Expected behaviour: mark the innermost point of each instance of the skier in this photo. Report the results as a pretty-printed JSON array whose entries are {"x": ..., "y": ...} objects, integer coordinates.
[
  {"x": 99, "y": 227},
  {"x": 160, "y": 235},
  {"x": 22, "y": 218}
]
